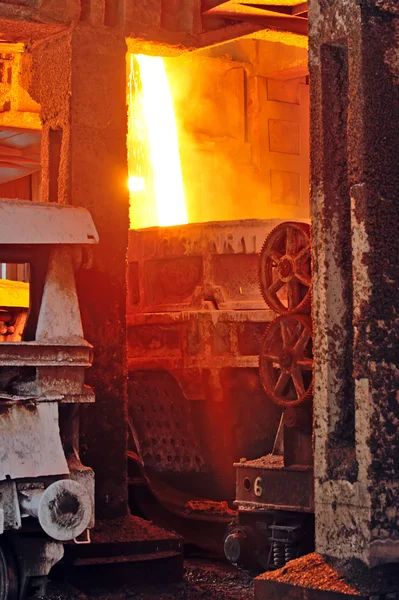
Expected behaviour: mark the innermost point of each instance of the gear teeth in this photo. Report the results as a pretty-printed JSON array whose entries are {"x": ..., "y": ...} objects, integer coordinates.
[
  {"x": 306, "y": 321},
  {"x": 296, "y": 313},
  {"x": 304, "y": 306}
]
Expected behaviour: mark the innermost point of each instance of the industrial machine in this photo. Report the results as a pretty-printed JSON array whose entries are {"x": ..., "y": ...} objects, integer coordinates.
[
  {"x": 196, "y": 317},
  {"x": 46, "y": 494},
  {"x": 274, "y": 493},
  {"x": 196, "y": 403}
]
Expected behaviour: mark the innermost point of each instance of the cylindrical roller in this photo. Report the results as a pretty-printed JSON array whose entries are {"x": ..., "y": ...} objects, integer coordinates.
[
  {"x": 64, "y": 509},
  {"x": 240, "y": 546}
]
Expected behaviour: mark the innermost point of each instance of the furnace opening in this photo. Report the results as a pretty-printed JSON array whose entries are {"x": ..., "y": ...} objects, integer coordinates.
[
  {"x": 218, "y": 135},
  {"x": 155, "y": 174},
  {"x": 225, "y": 131}
]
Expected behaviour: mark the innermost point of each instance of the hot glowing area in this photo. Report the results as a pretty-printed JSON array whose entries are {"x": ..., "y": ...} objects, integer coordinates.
[
  {"x": 136, "y": 184},
  {"x": 155, "y": 177}
]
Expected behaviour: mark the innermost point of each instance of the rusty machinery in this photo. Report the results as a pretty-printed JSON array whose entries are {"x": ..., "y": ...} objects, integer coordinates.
[
  {"x": 196, "y": 403},
  {"x": 46, "y": 494},
  {"x": 274, "y": 493}
]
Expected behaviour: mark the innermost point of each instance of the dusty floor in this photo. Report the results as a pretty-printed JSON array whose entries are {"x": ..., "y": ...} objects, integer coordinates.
[{"x": 203, "y": 580}]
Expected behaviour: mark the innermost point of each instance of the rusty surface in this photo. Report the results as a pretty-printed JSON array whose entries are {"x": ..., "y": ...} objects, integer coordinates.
[
  {"x": 317, "y": 576},
  {"x": 75, "y": 101},
  {"x": 286, "y": 360},
  {"x": 45, "y": 354},
  {"x": 195, "y": 363},
  {"x": 42, "y": 364},
  {"x": 52, "y": 366},
  {"x": 275, "y": 492},
  {"x": 183, "y": 342},
  {"x": 278, "y": 488},
  {"x": 354, "y": 184},
  {"x": 220, "y": 432},
  {"x": 9, "y": 506},
  {"x": 161, "y": 421},
  {"x": 195, "y": 266},
  {"x": 164, "y": 23},
  {"x": 285, "y": 270}
]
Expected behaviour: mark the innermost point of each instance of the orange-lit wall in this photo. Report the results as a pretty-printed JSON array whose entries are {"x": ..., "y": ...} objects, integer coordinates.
[
  {"x": 244, "y": 137},
  {"x": 243, "y": 123},
  {"x": 18, "y": 108}
]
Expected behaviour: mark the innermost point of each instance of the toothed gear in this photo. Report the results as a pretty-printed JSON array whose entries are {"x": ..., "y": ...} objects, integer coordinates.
[
  {"x": 285, "y": 269},
  {"x": 286, "y": 360}
]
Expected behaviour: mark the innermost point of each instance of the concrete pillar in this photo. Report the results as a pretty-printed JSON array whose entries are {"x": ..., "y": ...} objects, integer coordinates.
[
  {"x": 354, "y": 71},
  {"x": 79, "y": 78}
]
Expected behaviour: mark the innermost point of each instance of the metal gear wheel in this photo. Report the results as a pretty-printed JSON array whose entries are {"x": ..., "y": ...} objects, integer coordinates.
[
  {"x": 286, "y": 360},
  {"x": 285, "y": 269}
]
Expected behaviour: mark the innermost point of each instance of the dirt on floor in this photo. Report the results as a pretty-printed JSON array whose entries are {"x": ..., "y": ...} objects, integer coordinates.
[
  {"x": 203, "y": 580},
  {"x": 352, "y": 577}
]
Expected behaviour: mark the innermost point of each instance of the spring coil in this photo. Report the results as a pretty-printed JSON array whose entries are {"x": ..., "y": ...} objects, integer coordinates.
[
  {"x": 278, "y": 554},
  {"x": 290, "y": 553}
]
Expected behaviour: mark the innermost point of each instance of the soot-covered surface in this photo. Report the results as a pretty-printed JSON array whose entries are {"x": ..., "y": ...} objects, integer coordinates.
[{"x": 203, "y": 580}]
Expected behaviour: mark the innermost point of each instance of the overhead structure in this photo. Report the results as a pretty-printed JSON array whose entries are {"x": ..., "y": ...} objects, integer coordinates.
[
  {"x": 19, "y": 153},
  {"x": 285, "y": 15}
]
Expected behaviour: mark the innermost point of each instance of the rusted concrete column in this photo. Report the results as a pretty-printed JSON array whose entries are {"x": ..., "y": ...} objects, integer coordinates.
[
  {"x": 79, "y": 79},
  {"x": 354, "y": 70}
]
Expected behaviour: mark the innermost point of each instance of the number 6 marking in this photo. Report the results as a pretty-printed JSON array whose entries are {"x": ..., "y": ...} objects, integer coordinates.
[{"x": 258, "y": 486}]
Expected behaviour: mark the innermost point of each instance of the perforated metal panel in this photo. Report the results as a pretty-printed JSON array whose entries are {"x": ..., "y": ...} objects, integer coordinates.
[{"x": 161, "y": 421}]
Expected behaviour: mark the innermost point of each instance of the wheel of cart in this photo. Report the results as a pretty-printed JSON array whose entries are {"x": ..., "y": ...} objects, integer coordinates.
[{"x": 9, "y": 587}]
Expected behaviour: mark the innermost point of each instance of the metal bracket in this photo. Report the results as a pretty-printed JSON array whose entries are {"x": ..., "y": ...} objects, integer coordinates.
[{"x": 84, "y": 538}]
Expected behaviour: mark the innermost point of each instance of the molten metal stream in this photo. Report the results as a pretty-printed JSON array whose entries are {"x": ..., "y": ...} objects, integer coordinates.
[{"x": 160, "y": 125}]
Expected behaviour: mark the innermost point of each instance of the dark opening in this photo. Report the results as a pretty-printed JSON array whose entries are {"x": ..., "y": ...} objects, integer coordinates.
[
  {"x": 55, "y": 143},
  {"x": 335, "y": 101},
  {"x": 112, "y": 13},
  {"x": 247, "y": 484},
  {"x": 133, "y": 283},
  {"x": 84, "y": 9},
  {"x": 6, "y": 72}
]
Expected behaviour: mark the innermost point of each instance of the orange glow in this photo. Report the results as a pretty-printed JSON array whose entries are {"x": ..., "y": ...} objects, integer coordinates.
[
  {"x": 152, "y": 127},
  {"x": 275, "y": 2},
  {"x": 136, "y": 184}
]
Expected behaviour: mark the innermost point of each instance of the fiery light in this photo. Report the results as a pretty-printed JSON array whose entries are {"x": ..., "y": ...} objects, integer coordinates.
[
  {"x": 14, "y": 294},
  {"x": 163, "y": 177},
  {"x": 136, "y": 184}
]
